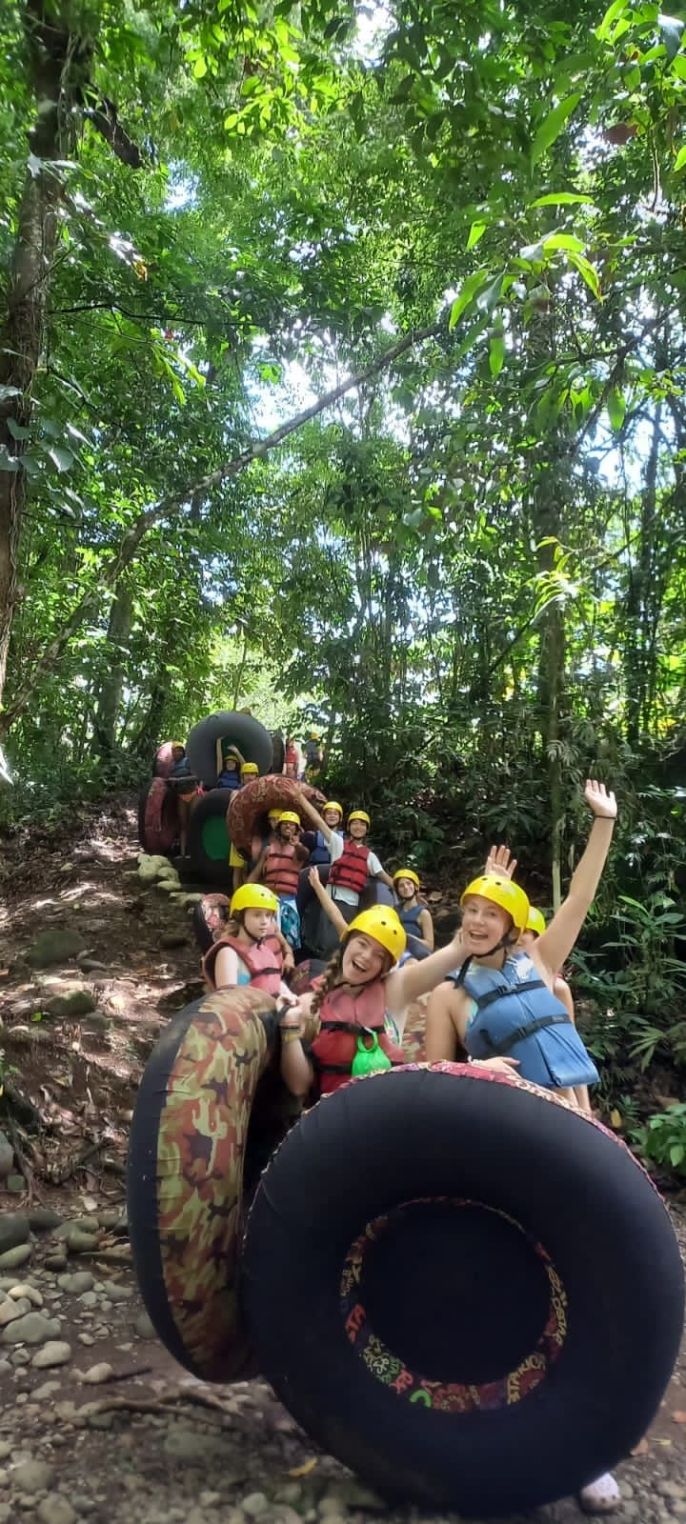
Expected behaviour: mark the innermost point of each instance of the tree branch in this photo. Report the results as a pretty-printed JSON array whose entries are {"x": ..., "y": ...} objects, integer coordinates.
[{"x": 172, "y": 504}]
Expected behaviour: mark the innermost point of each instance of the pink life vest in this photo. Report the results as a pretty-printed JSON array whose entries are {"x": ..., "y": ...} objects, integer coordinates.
[
  {"x": 263, "y": 960},
  {"x": 344, "y": 1015}
]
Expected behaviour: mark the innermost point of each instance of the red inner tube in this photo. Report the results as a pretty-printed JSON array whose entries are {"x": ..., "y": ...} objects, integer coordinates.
[{"x": 161, "y": 820}]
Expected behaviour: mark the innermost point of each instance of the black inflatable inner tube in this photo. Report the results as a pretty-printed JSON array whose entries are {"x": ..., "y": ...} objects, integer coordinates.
[
  {"x": 241, "y": 730},
  {"x": 458, "y": 1258}
]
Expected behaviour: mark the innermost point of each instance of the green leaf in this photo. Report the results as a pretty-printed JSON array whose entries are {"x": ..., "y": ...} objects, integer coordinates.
[
  {"x": 8, "y": 462},
  {"x": 476, "y": 232},
  {"x": 62, "y": 458},
  {"x": 496, "y": 354},
  {"x": 671, "y": 31},
  {"x": 200, "y": 67},
  {"x": 471, "y": 337},
  {"x": 470, "y": 287},
  {"x": 677, "y": 1153},
  {"x": 680, "y": 160},
  {"x": 616, "y": 407},
  {"x": 679, "y": 66},
  {"x": 612, "y": 14},
  {"x": 551, "y": 128},
  {"x": 588, "y": 271},
  {"x": 566, "y": 241},
  {"x": 17, "y": 430},
  {"x": 562, "y": 198}
]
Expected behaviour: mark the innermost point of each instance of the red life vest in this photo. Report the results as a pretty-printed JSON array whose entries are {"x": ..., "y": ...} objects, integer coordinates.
[
  {"x": 344, "y": 1015},
  {"x": 351, "y": 870},
  {"x": 281, "y": 872},
  {"x": 263, "y": 960}
]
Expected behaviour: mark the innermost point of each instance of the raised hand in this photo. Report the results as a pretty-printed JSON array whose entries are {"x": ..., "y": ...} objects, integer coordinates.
[
  {"x": 600, "y": 800},
  {"x": 500, "y": 862},
  {"x": 313, "y": 877}
]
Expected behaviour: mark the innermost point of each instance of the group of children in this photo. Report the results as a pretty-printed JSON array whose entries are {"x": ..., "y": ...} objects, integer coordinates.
[{"x": 496, "y": 996}]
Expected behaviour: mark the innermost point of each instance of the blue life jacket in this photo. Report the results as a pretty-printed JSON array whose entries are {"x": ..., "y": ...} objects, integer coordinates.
[
  {"x": 231, "y": 781},
  {"x": 517, "y": 1016},
  {"x": 320, "y": 853},
  {"x": 409, "y": 918}
]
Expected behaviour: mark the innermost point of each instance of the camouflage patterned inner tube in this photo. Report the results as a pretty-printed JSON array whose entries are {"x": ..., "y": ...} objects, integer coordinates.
[
  {"x": 254, "y": 800},
  {"x": 209, "y": 1112}
]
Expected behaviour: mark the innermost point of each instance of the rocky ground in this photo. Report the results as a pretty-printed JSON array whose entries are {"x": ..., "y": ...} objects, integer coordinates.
[{"x": 98, "y": 1423}]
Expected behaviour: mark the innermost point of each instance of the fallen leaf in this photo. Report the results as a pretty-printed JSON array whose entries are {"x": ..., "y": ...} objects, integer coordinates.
[
  {"x": 304, "y": 1470},
  {"x": 615, "y": 1118},
  {"x": 665, "y": 1442},
  {"x": 679, "y": 1417},
  {"x": 642, "y": 1448}
]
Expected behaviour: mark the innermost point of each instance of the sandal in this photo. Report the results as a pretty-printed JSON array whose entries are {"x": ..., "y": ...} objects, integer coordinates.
[{"x": 601, "y": 1496}]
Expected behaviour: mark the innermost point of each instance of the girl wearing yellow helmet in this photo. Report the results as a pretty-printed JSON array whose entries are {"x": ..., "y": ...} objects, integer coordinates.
[
  {"x": 361, "y": 1001},
  {"x": 250, "y": 949},
  {"x": 502, "y": 1001},
  {"x": 278, "y": 866},
  {"x": 414, "y": 915},
  {"x": 352, "y": 861}
]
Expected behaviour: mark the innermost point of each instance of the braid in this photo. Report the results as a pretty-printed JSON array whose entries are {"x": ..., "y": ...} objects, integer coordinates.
[{"x": 331, "y": 977}]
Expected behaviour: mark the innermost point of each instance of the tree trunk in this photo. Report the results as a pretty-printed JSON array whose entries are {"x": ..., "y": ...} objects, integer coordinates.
[
  {"x": 111, "y": 688},
  {"x": 56, "y": 60}
]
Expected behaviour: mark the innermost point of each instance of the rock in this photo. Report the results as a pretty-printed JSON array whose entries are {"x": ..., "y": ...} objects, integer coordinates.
[
  {"x": 11, "y": 1310},
  {"x": 192, "y": 1447},
  {"x": 6, "y": 1448},
  {"x": 174, "y": 939},
  {"x": 20, "y": 1357},
  {"x": 56, "y": 1261},
  {"x": 89, "y": 1300},
  {"x": 24, "y": 1290},
  {"x": 81, "y": 1280},
  {"x": 255, "y": 1505},
  {"x": 32, "y": 1476},
  {"x": 97, "y": 1022},
  {"x": 14, "y": 1229},
  {"x": 41, "y": 1219},
  {"x": 74, "y": 1002},
  {"x": 16, "y": 1184},
  {"x": 58, "y": 944},
  {"x": 6, "y": 1155},
  {"x": 55, "y": 1510},
  {"x": 96, "y": 1374},
  {"x": 90, "y": 965},
  {"x": 55, "y": 1352},
  {"x": 81, "y": 1243},
  {"x": 116, "y": 1291},
  {"x": 13, "y": 1258},
  {"x": 31, "y": 1328},
  {"x": 144, "y": 1327},
  {"x": 167, "y": 885},
  {"x": 48, "y": 1389}
]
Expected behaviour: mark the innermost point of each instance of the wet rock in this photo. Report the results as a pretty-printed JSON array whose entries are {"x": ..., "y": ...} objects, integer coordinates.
[
  {"x": 11, "y": 1310},
  {"x": 90, "y": 965},
  {"x": 14, "y": 1229},
  {"x": 16, "y": 1184},
  {"x": 79, "y": 1242},
  {"x": 116, "y": 1292},
  {"x": 42, "y": 1219},
  {"x": 58, "y": 944},
  {"x": 13, "y": 1258},
  {"x": 80, "y": 1281},
  {"x": 74, "y": 1002},
  {"x": 31, "y": 1328},
  {"x": 55, "y": 1510},
  {"x": 96, "y": 1374},
  {"x": 55, "y": 1352},
  {"x": 144, "y": 1327},
  {"x": 32, "y": 1476},
  {"x": 24, "y": 1290},
  {"x": 6, "y": 1155},
  {"x": 56, "y": 1261}
]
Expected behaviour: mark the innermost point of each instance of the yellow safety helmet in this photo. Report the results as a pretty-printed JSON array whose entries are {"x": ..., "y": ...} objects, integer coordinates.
[
  {"x": 314, "y": 735},
  {"x": 274, "y": 815},
  {"x": 253, "y": 897},
  {"x": 382, "y": 924},
  {"x": 332, "y": 804},
  {"x": 175, "y": 744},
  {"x": 406, "y": 873},
  {"x": 289, "y": 816},
  {"x": 502, "y": 892},
  {"x": 250, "y": 767},
  {"x": 359, "y": 815},
  {"x": 535, "y": 921}
]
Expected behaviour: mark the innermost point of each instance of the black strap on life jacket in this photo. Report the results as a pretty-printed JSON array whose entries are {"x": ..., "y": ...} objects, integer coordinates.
[
  {"x": 483, "y": 1001},
  {"x": 353, "y": 1028},
  {"x": 501, "y": 1049}
]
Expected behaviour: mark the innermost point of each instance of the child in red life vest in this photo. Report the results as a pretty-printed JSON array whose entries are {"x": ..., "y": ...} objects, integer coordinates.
[
  {"x": 250, "y": 950},
  {"x": 278, "y": 867},
  {"x": 361, "y": 1002},
  {"x": 352, "y": 862}
]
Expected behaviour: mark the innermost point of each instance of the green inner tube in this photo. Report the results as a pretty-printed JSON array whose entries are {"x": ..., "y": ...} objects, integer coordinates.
[{"x": 215, "y": 838}]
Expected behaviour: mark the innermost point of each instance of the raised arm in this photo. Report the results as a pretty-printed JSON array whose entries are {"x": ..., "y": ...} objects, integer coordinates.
[
  {"x": 328, "y": 905},
  {"x": 556, "y": 943},
  {"x": 500, "y": 862},
  {"x": 313, "y": 815},
  {"x": 406, "y": 984},
  {"x": 426, "y": 926}
]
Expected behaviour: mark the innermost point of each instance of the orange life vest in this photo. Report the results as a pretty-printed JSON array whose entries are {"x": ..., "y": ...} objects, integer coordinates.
[
  {"x": 281, "y": 872},
  {"x": 263, "y": 960},
  {"x": 345, "y": 1014}
]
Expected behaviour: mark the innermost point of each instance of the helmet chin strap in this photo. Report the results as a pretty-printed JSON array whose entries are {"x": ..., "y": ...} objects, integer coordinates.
[{"x": 478, "y": 957}]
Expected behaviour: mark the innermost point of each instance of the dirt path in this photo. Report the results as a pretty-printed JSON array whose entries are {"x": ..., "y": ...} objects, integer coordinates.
[{"x": 98, "y": 1422}]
